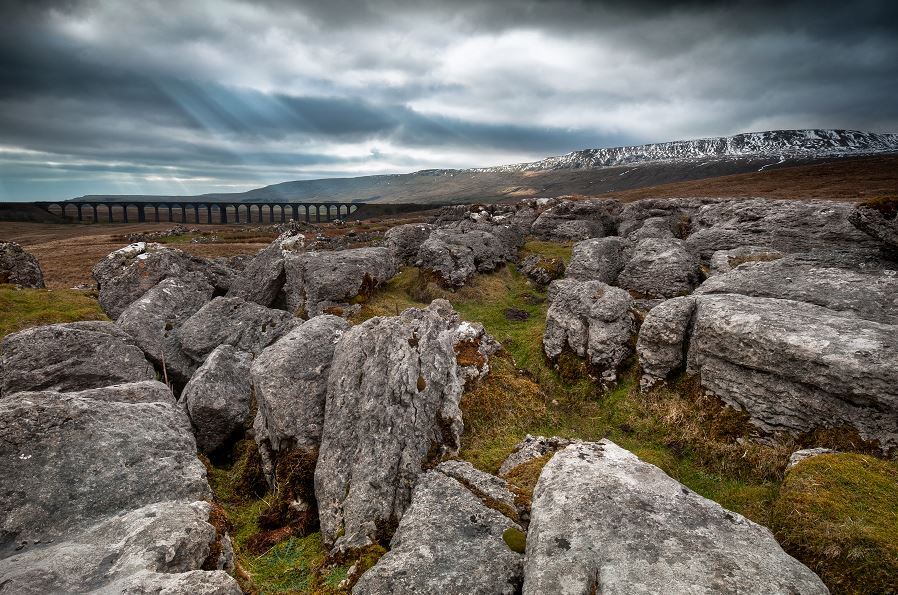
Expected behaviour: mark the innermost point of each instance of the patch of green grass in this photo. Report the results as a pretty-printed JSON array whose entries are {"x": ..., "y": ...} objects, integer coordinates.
[
  {"x": 560, "y": 250},
  {"x": 25, "y": 308},
  {"x": 838, "y": 513},
  {"x": 294, "y": 565},
  {"x": 184, "y": 238}
]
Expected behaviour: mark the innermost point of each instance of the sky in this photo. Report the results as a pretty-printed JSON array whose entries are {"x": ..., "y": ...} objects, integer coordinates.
[{"x": 187, "y": 97}]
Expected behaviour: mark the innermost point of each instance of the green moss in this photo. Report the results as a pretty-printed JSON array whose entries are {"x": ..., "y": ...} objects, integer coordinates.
[
  {"x": 515, "y": 539},
  {"x": 26, "y": 308},
  {"x": 838, "y": 513}
]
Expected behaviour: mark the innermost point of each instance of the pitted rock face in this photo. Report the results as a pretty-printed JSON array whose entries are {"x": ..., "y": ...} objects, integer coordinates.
[
  {"x": 392, "y": 407},
  {"x": 451, "y": 539},
  {"x": 600, "y": 259},
  {"x": 218, "y": 397},
  {"x": 320, "y": 281},
  {"x": 232, "y": 321},
  {"x": 262, "y": 278},
  {"x": 18, "y": 267},
  {"x": 591, "y": 319},
  {"x": 126, "y": 274},
  {"x": 455, "y": 255},
  {"x": 290, "y": 380},
  {"x": 70, "y": 357},
  {"x": 542, "y": 270},
  {"x": 880, "y": 223},
  {"x": 530, "y": 448},
  {"x": 404, "y": 241},
  {"x": 577, "y": 220},
  {"x": 660, "y": 268},
  {"x": 724, "y": 261},
  {"x": 602, "y": 520},
  {"x": 154, "y": 321}
]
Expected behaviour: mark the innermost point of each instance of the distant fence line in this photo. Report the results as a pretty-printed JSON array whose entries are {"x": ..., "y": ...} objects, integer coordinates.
[{"x": 200, "y": 211}]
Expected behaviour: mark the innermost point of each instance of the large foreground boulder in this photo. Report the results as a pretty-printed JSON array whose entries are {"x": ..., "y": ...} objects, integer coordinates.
[
  {"x": 603, "y": 521},
  {"x": 70, "y": 357},
  {"x": 290, "y": 379},
  {"x": 593, "y": 320},
  {"x": 793, "y": 366},
  {"x": 262, "y": 278},
  {"x": 126, "y": 274},
  {"x": 105, "y": 494},
  {"x": 452, "y": 540},
  {"x": 660, "y": 268},
  {"x": 19, "y": 267},
  {"x": 154, "y": 321},
  {"x": 333, "y": 282},
  {"x": 218, "y": 397},
  {"x": 392, "y": 408}
]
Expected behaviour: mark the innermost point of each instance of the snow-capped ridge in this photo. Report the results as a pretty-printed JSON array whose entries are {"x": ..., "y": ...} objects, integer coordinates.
[{"x": 783, "y": 144}]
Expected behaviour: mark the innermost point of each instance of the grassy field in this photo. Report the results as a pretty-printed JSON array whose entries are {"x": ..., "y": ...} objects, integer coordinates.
[{"x": 25, "y": 308}]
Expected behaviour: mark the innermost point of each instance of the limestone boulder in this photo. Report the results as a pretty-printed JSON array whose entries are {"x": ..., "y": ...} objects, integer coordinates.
[
  {"x": 70, "y": 357},
  {"x": 404, "y": 241},
  {"x": 660, "y": 268},
  {"x": 232, "y": 321},
  {"x": 262, "y": 278},
  {"x": 126, "y": 274},
  {"x": 333, "y": 282},
  {"x": 154, "y": 320},
  {"x": 451, "y": 540},
  {"x": 879, "y": 221},
  {"x": 793, "y": 366},
  {"x": 604, "y": 521},
  {"x": 784, "y": 225},
  {"x": 724, "y": 261},
  {"x": 18, "y": 267},
  {"x": 455, "y": 255},
  {"x": 542, "y": 270},
  {"x": 599, "y": 259},
  {"x": 574, "y": 220},
  {"x": 392, "y": 396},
  {"x": 290, "y": 379},
  {"x": 594, "y": 321},
  {"x": 218, "y": 397},
  {"x": 654, "y": 227},
  {"x": 530, "y": 448}
]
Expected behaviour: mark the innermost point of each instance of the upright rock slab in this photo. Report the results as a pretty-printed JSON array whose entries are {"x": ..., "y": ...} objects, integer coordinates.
[
  {"x": 604, "y": 521},
  {"x": 451, "y": 540},
  {"x": 262, "y": 279},
  {"x": 593, "y": 320},
  {"x": 218, "y": 397},
  {"x": 70, "y": 357},
  {"x": 392, "y": 407},
  {"x": 19, "y": 267}
]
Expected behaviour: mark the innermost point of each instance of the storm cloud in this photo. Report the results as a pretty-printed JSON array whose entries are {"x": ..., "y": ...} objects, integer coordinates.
[{"x": 101, "y": 96}]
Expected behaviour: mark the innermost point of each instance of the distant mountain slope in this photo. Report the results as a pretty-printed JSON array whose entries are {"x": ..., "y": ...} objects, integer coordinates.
[
  {"x": 784, "y": 144},
  {"x": 589, "y": 172}
]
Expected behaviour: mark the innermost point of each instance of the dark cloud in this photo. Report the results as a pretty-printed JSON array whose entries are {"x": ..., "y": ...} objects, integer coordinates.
[{"x": 103, "y": 96}]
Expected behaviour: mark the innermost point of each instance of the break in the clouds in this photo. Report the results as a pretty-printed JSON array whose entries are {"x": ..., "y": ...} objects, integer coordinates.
[{"x": 103, "y": 96}]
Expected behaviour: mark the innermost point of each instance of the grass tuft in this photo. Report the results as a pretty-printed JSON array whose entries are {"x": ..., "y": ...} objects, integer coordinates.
[{"x": 25, "y": 308}]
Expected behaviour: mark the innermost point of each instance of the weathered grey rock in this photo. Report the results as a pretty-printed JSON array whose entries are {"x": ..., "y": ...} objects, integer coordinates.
[
  {"x": 806, "y": 453},
  {"x": 724, "y": 261},
  {"x": 126, "y": 274},
  {"x": 70, "y": 460},
  {"x": 488, "y": 488},
  {"x": 542, "y": 270},
  {"x": 232, "y": 321},
  {"x": 69, "y": 357},
  {"x": 319, "y": 281},
  {"x": 793, "y": 366},
  {"x": 677, "y": 212},
  {"x": 604, "y": 521},
  {"x": 880, "y": 224},
  {"x": 154, "y": 320},
  {"x": 600, "y": 259},
  {"x": 577, "y": 220},
  {"x": 154, "y": 544},
  {"x": 663, "y": 339},
  {"x": 404, "y": 241},
  {"x": 290, "y": 379},
  {"x": 530, "y": 448},
  {"x": 593, "y": 320},
  {"x": 262, "y": 279},
  {"x": 784, "y": 225},
  {"x": 18, "y": 267},
  {"x": 870, "y": 294},
  {"x": 393, "y": 393},
  {"x": 660, "y": 268},
  {"x": 447, "y": 542},
  {"x": 218, "y": 397},
  {"x": 653, "y": 227},
  {"x": 454, "y": 256}
]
